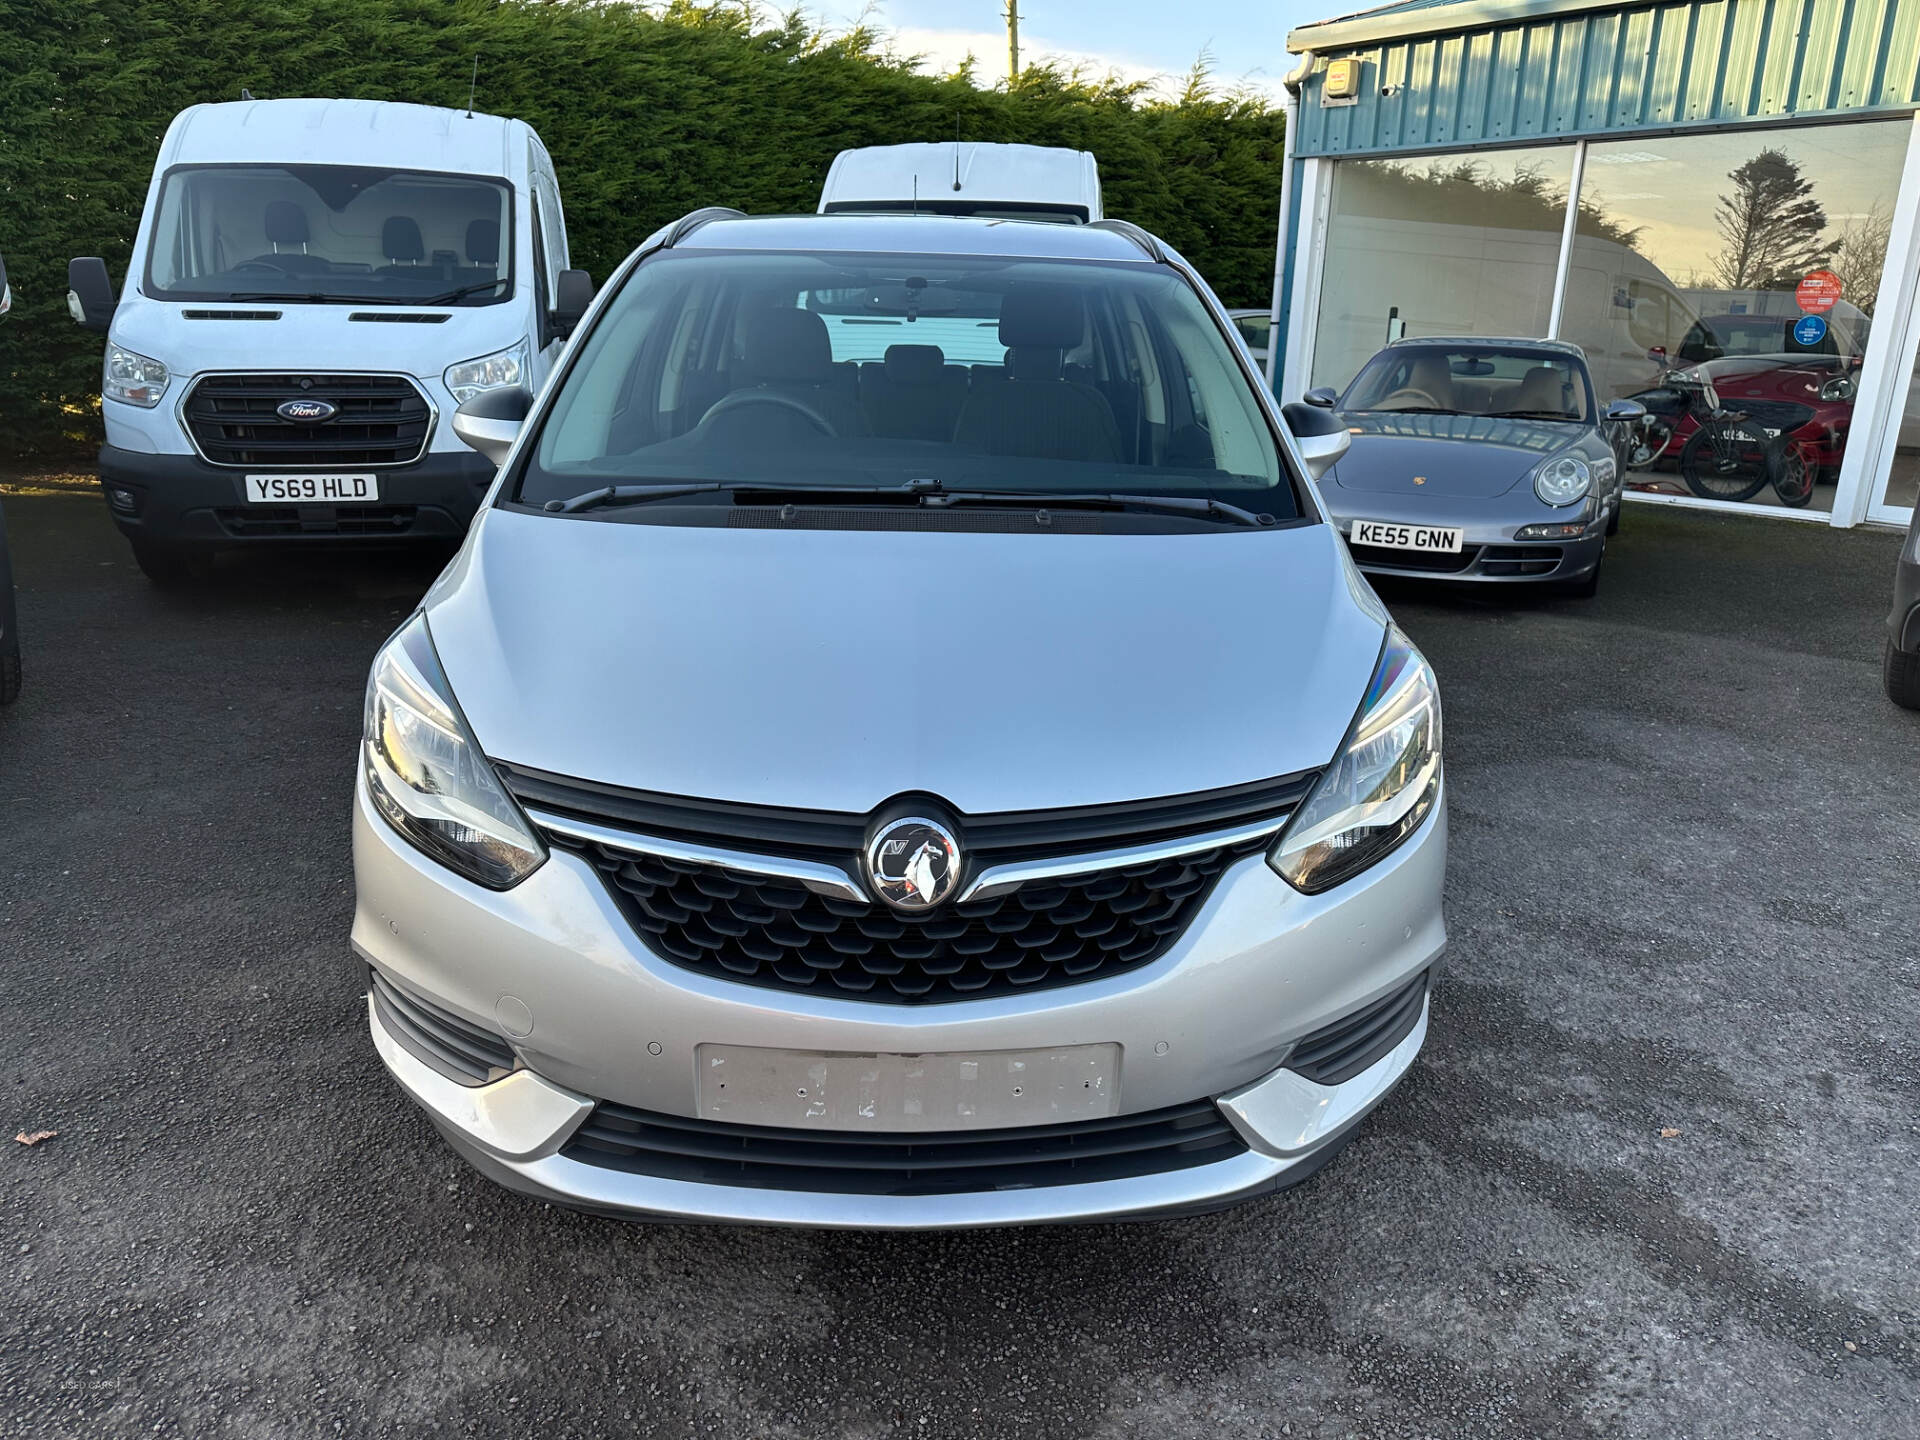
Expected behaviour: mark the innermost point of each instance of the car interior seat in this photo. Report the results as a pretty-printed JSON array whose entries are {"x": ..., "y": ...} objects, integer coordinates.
[{"x": 1036, "y": 412}]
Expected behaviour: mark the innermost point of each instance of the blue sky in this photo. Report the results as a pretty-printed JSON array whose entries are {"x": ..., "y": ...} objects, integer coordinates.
[{"x": 1137, "y": 38}]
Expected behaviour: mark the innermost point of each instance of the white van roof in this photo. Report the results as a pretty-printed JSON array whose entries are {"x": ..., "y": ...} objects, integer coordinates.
[
  {"x": 341, "y": 132},
  {"x": 959, "y": 177}
]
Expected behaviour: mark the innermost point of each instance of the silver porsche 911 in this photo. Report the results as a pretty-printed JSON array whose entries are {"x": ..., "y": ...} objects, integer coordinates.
[{"x": 1481, "y": 459}]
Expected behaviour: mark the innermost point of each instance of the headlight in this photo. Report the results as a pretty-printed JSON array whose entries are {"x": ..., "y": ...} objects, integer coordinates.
[
  {"x": 1563, "y": 481},
  {"x": 427, "y": 776},
  {"x": 1381, "y": 785},
  {"x": 490, "y": 372},
  {"x": 133, "y": 379}
]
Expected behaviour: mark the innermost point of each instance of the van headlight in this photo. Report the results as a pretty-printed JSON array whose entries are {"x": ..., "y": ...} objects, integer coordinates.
[
  {"x": 426, "y": 774},
  {"x": 1563, "y": 481},
  {"x": 490, "y": 372},
  {"x": 1381, "y": 785},
  {"x": 134, "y": 379}
]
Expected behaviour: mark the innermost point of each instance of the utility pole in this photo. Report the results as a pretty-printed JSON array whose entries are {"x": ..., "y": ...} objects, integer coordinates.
[{"x": 1013, "y": 42}]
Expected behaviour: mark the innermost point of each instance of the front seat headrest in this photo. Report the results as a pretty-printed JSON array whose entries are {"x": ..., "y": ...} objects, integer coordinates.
[
  {"x": 483, "y": 242},
  {"x": 915, "y": 364},
  {"x": 400, "y": 239},
  {"x": 785, "y": 343},
  {"x": 286, "y": 223},
  {"x": 1042, "y": 317}
]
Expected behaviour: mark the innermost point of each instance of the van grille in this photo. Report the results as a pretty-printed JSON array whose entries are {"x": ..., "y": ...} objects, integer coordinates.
[{"x": 382, "y": 420}]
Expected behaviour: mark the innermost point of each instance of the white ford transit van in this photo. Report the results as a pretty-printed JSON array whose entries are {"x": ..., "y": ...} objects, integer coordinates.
[
  {"x": 315, "y": 285},
  {"x": 1007, "y": 182}
]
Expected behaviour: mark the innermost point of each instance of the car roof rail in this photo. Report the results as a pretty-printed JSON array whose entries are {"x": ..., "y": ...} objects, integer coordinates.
[
  {"x": 689, "y": 223},
  {"x": 1134, "y": 233}
]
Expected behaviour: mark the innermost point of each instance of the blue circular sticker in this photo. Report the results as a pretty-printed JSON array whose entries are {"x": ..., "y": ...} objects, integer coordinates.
[{"x": 1809, "y": 330}]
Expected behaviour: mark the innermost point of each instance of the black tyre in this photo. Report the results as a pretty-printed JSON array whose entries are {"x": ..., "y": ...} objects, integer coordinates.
[
  {"x": 1793, "y": 477},
  {"x": 172, "y": 567},
  {"x": 1727, "y": 460},
  {"x": 1902, "y": 673}
]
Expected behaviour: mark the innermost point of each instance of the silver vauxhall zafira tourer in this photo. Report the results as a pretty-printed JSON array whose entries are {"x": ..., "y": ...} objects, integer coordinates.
[{"x": 902, "y": 746}]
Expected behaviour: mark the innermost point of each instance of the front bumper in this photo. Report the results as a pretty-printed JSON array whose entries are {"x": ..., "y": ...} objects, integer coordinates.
[
  {"x": 589, "y": 1005},
  {"x": 1489, "y": 554},
  {"x": 183, "y": 499}
]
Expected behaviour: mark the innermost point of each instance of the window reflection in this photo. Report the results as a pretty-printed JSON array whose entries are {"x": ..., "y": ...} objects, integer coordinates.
[
  {"x": 1454, "y": 245},
  {"x": 1737, "y": 268}
]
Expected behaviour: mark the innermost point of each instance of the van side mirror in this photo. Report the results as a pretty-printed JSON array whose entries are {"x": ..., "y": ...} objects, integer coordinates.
[
  {"x": 572, "y": 296},
  {"x": 1319, "y": 434},
  {"x": 6, "y": 290},
  {"x": 490, "y": 422},
  {"x": 1321, "y": 396},
  {"x": 90, "y": 293}
]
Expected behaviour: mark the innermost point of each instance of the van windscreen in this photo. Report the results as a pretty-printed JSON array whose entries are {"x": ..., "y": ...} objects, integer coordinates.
[{"x": 344, "y": 234}]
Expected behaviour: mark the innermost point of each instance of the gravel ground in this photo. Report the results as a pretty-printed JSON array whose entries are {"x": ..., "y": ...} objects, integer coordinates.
[{"x": 1682, "y": 899}]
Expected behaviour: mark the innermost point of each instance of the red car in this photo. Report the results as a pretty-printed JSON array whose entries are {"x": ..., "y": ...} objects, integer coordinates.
[{"x": 1758, "y": 367}]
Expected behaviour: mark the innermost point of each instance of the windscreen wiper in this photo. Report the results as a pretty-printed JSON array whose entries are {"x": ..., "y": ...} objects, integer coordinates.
[
  {"x": 1531, "y": 415},
  {"x": 452, "y": 296},
  {"x": 314, "y": 297},
  {"x": 1103, "y": 500},
  {"x": 630, "y": 495}
]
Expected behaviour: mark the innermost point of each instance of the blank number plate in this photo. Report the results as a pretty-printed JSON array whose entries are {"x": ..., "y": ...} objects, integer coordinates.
[
  {"x": 1394, "y": 536},
  {"x": 311, "y": 489},
  {"x": 982, "y": 1090}
]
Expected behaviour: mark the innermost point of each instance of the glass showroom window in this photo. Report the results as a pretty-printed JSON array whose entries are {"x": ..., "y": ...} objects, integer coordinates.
[
  {"x": 1741, "y": 268},
  {"x": 1439, "y": 245},
  {"x": 1902, "y": 489}
]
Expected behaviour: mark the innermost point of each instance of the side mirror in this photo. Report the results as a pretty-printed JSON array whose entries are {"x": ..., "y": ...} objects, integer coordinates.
[
  {"x": 90, "y": 293},
  {"x": 1321, "y": 437},
  {"x": 572, "y": 296},
  {"x": 1626, "y": 410},
  {"x": 490, "y": 422},
  {"x": 1657, "y": 354},
  {"x": 6, "y": 290},
  {"x": 1321, "y": 396}
]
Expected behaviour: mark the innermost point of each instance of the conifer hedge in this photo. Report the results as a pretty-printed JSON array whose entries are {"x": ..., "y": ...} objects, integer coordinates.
[{"x": 648, "y": 111}]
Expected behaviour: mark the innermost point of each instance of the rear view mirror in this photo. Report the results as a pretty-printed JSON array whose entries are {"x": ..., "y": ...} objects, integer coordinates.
[
  {"x": 490, "y": 422},
  {"x": 572, "y": 296},
  {"x": 1321, "y": 437},
  {"x": 1321, "y": 396},
  {"x": 90, "y": 293}
]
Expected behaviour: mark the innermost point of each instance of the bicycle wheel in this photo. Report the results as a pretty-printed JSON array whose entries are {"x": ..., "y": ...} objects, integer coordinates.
[
  {"x": 1727, "y": 460},
  {"x": 1793, "y": 477}
]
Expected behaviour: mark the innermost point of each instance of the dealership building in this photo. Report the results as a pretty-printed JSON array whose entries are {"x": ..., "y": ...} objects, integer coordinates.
[{"x": 1725, "y": 189}]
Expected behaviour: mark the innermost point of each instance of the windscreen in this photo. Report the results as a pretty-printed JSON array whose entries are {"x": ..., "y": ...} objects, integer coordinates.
[
  {"x": 344, "y": 234},
  {"x": 1511, "y": 382},
  {"x": 790, "y": 370}
]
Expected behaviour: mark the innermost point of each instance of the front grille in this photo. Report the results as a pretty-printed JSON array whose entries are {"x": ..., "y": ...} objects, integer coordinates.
[
  {"x": 254, "y": 521},
  {"x": 382, "y": 420},
  {"x": 768, "y": 931},
  {"x": 1520, "y": 559},
  {"x": 708, "y": 1152},
  {"x": 458, "y": 1049},
  {"x": 1340, "y": 1051},
  {"x": 1436, "y": 562},
  {"x": 1782, "y": 415}
]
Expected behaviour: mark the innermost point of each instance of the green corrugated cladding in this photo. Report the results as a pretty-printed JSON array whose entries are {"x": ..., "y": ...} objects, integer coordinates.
[{"x": 1618, "y": 71}]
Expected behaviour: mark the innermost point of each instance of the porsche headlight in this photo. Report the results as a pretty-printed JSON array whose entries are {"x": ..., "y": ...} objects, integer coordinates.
[
  {"x": 426, "y": 774},
  {"x": 1381, "y": 785},
  {"x": 490, "y": 372},
  {"x": 1563, "y": 481}
]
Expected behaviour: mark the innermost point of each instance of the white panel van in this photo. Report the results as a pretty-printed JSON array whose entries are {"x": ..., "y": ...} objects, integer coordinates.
[
  {"x": 1015, "y": 182},
  {"x": 315, "y": 286}
]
